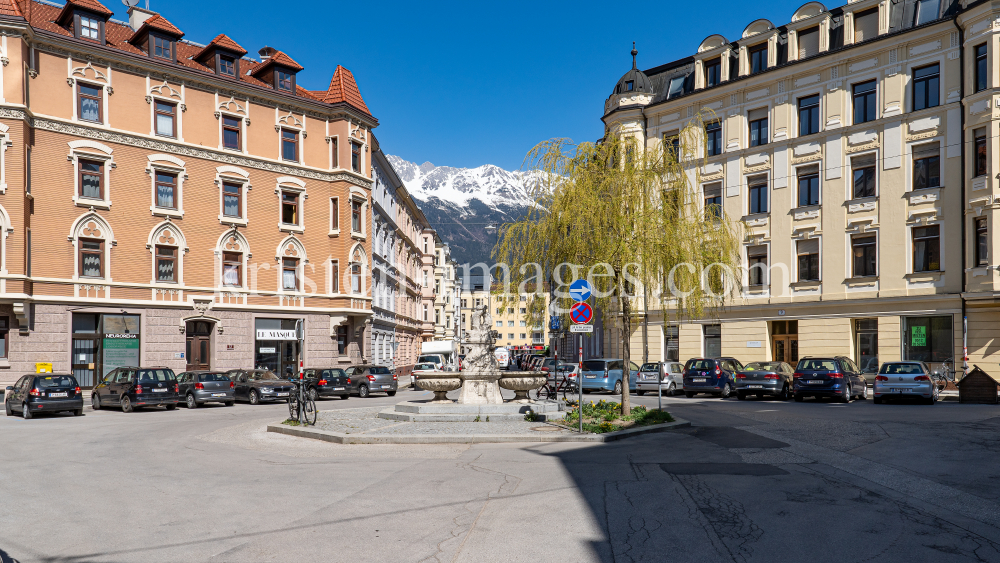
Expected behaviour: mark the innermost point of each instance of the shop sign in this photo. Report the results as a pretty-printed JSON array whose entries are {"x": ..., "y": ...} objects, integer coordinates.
[
  {"x": 268, "y": 351},
  {"x": 266, "y": 334},
  {"x": 119, "y": 350},
  {"x": 918, "y": 336}
]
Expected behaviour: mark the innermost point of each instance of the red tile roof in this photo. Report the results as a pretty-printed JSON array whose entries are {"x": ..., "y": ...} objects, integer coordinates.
[
  {"x": 343, "y": 88},
  {"x": 158, "y": 23},
  {"x": 279, "y": 58},
  {"x": 224, "y": 42},
  {"x": 9, "y": 8},
  {"x": 92, "y": 5}
]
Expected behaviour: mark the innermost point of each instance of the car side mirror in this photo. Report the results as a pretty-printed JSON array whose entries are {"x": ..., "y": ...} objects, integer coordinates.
[{"x": 9, "y": 388}]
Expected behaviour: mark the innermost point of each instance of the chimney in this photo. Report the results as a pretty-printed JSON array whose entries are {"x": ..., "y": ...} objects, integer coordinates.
[{"x": 137, "y": 15}]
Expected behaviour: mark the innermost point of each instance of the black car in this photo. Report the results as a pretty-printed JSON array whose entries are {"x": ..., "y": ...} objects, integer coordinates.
[
  {"x": 835, "y": 376},
  {"x": 764, "y": 378},
  {"x": 711, "y": 375},
  {"x": 258, "y": 385},
  {"x": 133, "y": 387},
  {"x": 327, "y": 382},
  {"x": 44, "y": 392},
  {"x": 200, "y": 387}
]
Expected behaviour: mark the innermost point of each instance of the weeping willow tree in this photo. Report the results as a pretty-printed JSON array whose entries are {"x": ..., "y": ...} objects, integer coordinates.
[{"x": 631, "y": 219}]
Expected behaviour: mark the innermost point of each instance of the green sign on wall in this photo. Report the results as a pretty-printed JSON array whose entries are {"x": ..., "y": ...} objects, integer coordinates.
[
  {"x": 918, "y": 336},
  {"x": 119, "y": 350}
]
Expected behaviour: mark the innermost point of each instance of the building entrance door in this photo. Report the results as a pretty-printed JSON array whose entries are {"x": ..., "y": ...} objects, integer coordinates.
[
  {"x": 866, "y": 332},
  {"x": 199, "y": 345},
  {"x": 785, "y": 342}
]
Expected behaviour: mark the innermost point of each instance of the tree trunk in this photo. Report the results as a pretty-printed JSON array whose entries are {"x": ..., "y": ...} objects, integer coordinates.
[{"x": 626, "y": 308}]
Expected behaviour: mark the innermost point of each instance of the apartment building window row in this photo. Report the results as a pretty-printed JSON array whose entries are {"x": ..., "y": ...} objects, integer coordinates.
[
  {"x": 865, "y": 101},
  {"x": 926, "y": 166},
  {"x": 808, "y": 180},
  {"x": 807, "y": 253},
  {"x": 757, "y": 121},
  {"x": 863, "y": 172},
  {"x": 865, "y": 256},
  {"x": 927, "y": 248}
]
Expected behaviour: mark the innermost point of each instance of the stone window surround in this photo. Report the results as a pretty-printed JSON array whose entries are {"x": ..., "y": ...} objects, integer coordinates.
[
  {"x": 859, "y": 6},
  {"x": 173, "y": 97},
  {"x": 747, "y": 43},
  {"x": 908, "y": 165},
  {"x": 821, "y": 20},
  {"x": 105, "y": 92},
  {"x": 107, "y": 235},
  {"x": 94, "y": 151},
  {"x": 172, "y": 165},
  {"x": 290, "y": 184},
  {"x": 300, "y": 269},
  {"x": 360, "y": 196},
  {"x": 244, "y": 251},
  {"x": 244, "y": 123},
  {"x": 181, "y": 246},
  {"x": 876, "y": 75},
  {"x": 233, "y": 175}
]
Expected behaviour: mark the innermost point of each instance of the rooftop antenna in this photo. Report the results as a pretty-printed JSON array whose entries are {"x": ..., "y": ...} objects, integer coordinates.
[
  {"x": 130, "y": 3},
  {"x": 634, "y": 52}
]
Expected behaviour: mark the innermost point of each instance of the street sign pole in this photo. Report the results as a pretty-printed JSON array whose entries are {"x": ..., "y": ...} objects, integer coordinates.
[{"x": 579, "y": 383}]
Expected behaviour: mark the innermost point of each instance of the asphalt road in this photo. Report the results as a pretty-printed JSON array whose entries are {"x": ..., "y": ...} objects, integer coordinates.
[{"x": 752, "y": 481}]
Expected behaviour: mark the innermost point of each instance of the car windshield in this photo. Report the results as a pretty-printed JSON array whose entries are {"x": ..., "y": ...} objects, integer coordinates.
[
  {"x": 55, "y": 381},
  {"x": 153, "y": 375},
  {"x": 763, "y": 366},
  {"x": 701, "y": 364},
  {"x": 593, "y": 365},
  {"x": 903, "y": 369},
  {"x": 379, "y": 370},
  {"x": 424, "y": 366},
  {"x": 818, "y": 365},
  {"x": 263, "y": 375},
  {"x": 650, "y": 367},
  {"x": 566, "y": 368},
  {"x": 212, "y": 377}
]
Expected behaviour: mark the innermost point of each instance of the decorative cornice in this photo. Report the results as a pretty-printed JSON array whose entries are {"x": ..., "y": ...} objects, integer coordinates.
[
  {"x": 170, "y": 148},
  {"x": 929, "y": 134},
  {"x": 808, "y": 158},
  {"x": 864, "y": 147}
]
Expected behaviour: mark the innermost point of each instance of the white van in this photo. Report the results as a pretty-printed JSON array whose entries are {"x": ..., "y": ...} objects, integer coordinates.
[{"x": 503, "y": 357}]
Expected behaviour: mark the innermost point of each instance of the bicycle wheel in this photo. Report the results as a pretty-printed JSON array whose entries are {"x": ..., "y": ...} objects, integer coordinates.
[
  {"x": 541, "y": 392},
  {"x": 309, "y": 412},
  {"x": 293, "y": 405}
]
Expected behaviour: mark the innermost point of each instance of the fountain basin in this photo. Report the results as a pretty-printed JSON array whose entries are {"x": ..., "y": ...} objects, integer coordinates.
[
  {"x": 520, "y": 382},
  {"x": 440, "y": 384}
]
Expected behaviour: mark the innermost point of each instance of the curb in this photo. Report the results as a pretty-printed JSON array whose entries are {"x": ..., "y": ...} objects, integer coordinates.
[{"x": 339, "y": 438}]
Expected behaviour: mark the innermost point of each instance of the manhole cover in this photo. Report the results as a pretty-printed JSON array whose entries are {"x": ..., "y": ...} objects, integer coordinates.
[{"x": 546, "y": 428}]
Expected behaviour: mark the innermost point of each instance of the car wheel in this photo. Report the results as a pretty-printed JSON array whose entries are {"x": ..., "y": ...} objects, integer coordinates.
[
  {"x": 313, "y": 394},
  {"x": 848, "y": 395},
  {"x": 363, "y": 392},
  {"x": 229, "y": 403},
  {"x": 345, "y": 397},
  {"x": 25, "y": 412},
  {"x": 586, "y": 391},
  {"x": 726, "y": 391},
  {"x": 640, "y": 393},
  {"x": 171, "y": 406},
  {"x": 6, "y": 407},
  {"x": 191, "y": 403},
  {"x": 618, "y": 388},
  {"x": 390, "y": 393},
  {"x": 864, "y": 392},
  {"x": 877, "y": 400},
  {"x": 95, "y": 402},
  {"x": 126, "y": 404},
  {"x": 254, "y": 397},
  {"x": 688, "y": 394},
  {"x": 78, "y": 412},
  {"x": 798, "y": 398},
  {"x": 672, "y": 390}
]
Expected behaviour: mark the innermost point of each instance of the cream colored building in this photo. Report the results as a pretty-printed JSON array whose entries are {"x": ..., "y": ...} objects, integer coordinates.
[
  {"x": 446, "y": 293},
  {"x": 846, "y": 140},
  {"x": 510, "y": 317}
]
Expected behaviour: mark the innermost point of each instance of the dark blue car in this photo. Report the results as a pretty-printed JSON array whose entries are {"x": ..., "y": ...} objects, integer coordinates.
[
  {"x": 836, "y": 377},
  {"x": 716, "y": 376}
]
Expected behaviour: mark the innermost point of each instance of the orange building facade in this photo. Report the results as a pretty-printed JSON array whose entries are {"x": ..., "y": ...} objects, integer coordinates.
[{"x": 174, "y": 204}]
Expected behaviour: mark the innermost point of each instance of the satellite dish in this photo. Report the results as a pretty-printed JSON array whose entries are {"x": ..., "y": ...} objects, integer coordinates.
[{"x": 130, "y": 3}]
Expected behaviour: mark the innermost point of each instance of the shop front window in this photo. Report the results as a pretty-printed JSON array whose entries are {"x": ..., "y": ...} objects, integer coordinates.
[
  {"x": 931, "y": 340},
  {"x": 275, "y": 346}
]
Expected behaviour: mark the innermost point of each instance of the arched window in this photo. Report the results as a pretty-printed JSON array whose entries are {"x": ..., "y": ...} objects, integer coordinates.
[
  {"x": 359, "y": 263},
  {"x": 167, "y": 246},
  {"x": 291, "y": 257},
  {"x": 92, "y": 237},
  {"x": 232, "y": 253}
]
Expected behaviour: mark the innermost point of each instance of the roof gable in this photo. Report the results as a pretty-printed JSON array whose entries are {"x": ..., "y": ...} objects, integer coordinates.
[
  {"x": 343, "y": 88},
  {"x": 89, "y": 5},
  {"x": 158, "y": 23}
]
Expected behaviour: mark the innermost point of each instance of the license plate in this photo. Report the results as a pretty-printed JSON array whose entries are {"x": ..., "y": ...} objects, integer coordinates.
[
  {"x": 338, "y": 388},
  {"x": 590, "y": 376},
  {"x": 159, "y": 390},
  {"x": 755, "y": 386},
  {"x": 218, "y": 394},
  {"x": 698, "y": 380},
  {"x": 815, "y": 382},
  {"x": 385, "y": 386},
  {"x": 281, "y": 394},
  {"x": 58, "y": 394},
  {"x": 894, "y": 390}
]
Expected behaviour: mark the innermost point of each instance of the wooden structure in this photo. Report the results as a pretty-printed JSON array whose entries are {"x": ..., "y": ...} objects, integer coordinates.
[{"x": 978, "y": 387}]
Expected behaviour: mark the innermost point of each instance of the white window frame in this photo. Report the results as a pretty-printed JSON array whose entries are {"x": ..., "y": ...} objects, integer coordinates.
[
  {"x": 290, "y": 184},
  {"x": 172, "y": 165},
  {"x": 91, "y": 150},
  {"x": 243, "y": 131},
  {"x": 233, "y": 175},
  {"x": 850, "y": 174}
]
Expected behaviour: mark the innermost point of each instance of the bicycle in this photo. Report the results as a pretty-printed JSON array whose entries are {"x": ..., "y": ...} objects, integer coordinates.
[
  {"x": 551, "y": 391},
  {"x": 301, "y": 404}
]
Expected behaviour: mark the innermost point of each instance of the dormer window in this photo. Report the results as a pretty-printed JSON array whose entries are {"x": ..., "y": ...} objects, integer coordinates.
[
  {"x": 163, "y": 48},
  {"x": 227, "y": 65},
  {"x": 90, "y": 28},
  {"x": 629, "y": 86},
  {"x": 284, "y": 81},
  {"x": 713, "y": 72}
]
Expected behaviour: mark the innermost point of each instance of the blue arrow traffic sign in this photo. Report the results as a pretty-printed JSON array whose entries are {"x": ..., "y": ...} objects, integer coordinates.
[
  {"x": 581, "y": 313},
  {"x": 580, "y": 290}
]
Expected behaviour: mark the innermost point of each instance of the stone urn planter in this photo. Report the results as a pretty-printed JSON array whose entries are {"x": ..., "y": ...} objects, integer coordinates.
[
  {"x": 520, "y": 382},
  {"x": 440, "y": 384}
]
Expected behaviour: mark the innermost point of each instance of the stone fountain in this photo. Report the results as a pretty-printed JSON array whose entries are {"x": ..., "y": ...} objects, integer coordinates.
[{"x": 480, "y": 381}]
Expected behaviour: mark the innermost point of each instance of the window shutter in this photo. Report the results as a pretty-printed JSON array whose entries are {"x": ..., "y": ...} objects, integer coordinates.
[
  {"x": 926, "y": 150},
  {"x": 713, "y": 190},
  {"x": 810, "y": 246},
  {"x": 757, "y": 251},
  {"x": 865, "y": 25},
  {"x": 863, "y": 161},
  {"x": 755, "y": 114}
]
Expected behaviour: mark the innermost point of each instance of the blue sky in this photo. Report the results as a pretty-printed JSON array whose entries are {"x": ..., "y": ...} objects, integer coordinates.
[{"x": 465, "y": 84}]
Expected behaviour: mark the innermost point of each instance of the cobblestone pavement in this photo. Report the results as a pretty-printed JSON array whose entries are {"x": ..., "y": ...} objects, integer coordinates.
[
  {"x": 749, "y": 482},
  {"x": 366, "y": 421}
]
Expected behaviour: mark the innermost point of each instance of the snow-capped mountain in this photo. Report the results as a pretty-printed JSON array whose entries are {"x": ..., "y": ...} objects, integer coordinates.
[{"x": 460, "y": 202}]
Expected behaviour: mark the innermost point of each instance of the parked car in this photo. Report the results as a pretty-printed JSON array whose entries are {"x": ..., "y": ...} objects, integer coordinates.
[
  {"x": 134, "y": 387},
  {"x": 258, "y": 385},
  {"x": 607, "y": 375},
  {"x": 327, "y": 382},
  {"x": 836, "y": 376},
  {"x": 765, "y": 378},
  {"x": 716, "y": 376},
  {"x": 534, "y": 363},
  {"x": 43, "y": 392},
  {"x": 199, "y": 387},
  {"x": 366, "y": 380},
  {"x": 897, "y": 380},
  {"x": 869, "y": 369},
  {"x": 548, "y": 365},
  {"x": 436, "y": 359},
  {"x": 650, "y": 375},
  {"x": 569, "y": 371}
]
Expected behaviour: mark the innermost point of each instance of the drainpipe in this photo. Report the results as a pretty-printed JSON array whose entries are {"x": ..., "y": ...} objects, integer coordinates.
[{"x": 961, "y": 97}]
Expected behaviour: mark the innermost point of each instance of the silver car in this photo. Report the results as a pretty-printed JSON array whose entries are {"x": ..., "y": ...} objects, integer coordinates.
[
  {"x": 366, "y": 380},
  {"x": 200, "y": 387},
  {"x": 671, "y": 373},
  {"x": 896, "y": 380}
]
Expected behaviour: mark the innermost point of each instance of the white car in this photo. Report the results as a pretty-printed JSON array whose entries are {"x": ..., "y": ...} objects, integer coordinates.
[{"x": 672, "y": 374}]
